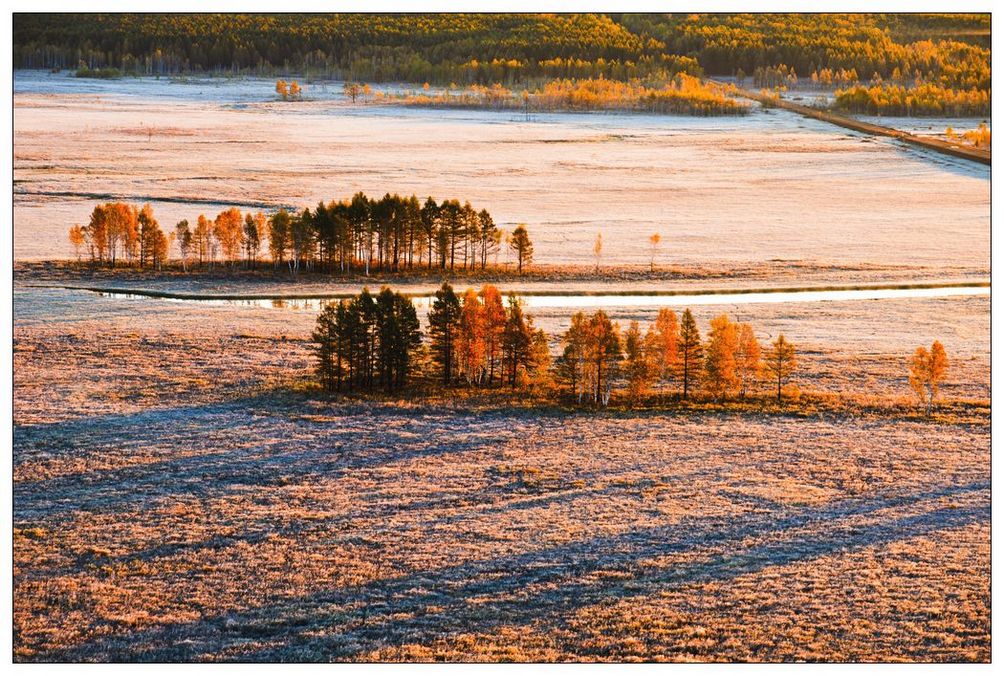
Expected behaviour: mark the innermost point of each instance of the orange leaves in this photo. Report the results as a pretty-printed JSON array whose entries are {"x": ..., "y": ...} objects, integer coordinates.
[
  {"x": 927, "y": 371},
  {"x": 229, "y": 231}
]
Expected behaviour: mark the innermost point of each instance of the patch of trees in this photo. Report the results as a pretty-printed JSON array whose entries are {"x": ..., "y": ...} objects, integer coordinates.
[
  {"x": 393, "y": 233},
  {"x": 367, "y": 342},
  {"x": 924, "y": 99},
  {"x": 671, "y": 354},
  {"x": 951, "y": 50},
  {"x": 978, "y": 138},
  {"x": 120, "y": 232},
  {"x": 442, "y": 48},
  {"x": 953, "y": 54},
  {"x": 928, "y": 370},
  {"x": 479, "y": 341},
  {"x": 682, "y": 94}
]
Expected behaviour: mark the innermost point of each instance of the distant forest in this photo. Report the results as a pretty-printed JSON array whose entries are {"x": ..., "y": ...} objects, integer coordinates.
[{"x": 948, "y": 50}]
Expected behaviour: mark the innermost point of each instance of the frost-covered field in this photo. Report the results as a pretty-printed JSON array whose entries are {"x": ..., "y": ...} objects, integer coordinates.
[
  {"x": 78, "y": 354},
  {"x": 179, "y": 495},
  {"x": 735, "y": 190},
  {"x": 175, "y": 499}
]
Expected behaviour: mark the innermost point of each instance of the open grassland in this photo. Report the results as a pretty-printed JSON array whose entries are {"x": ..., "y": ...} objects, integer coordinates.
[
  {"x": 178, "y": 496},
  {"x": 721, "y": 192}
]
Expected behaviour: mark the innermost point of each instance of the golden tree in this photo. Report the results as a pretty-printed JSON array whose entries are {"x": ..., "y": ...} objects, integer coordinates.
[
  {"x": 720, "y": 376},
  {"x": 654, "y": 244},
  {"x": 470, "y": 342},
  {"x": 229, "y": 231},
  {"x": 201, "y": 237},
  {"x": 780, "y": 363},
  {"x": 494, "y": 325},
  {"x": 749, "y": 368},
  {"x": 640, "y": 366},
  {"x": 927, "y": 371},
  {"x": 77, "y": 239},
  {"x": 663, "y": 338}
]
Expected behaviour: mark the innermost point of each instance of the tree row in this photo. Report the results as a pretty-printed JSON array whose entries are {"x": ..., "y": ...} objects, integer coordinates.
[
  {"x": 477, "y": 340},
  {"x": 393, "y": 233}
]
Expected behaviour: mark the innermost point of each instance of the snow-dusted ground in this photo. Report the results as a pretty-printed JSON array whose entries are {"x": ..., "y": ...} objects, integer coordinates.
[{"x": 767, "y": 186}]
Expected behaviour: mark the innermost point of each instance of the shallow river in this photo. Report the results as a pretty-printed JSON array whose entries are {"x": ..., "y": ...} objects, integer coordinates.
[{"x": 534, "y": 302}]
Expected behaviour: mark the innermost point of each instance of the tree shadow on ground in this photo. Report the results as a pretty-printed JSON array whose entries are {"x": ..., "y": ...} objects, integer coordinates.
[{"x": 541, "y": 586}]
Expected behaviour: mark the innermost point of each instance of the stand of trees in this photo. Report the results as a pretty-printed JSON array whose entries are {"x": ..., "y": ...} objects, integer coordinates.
[
  {"x": 729, "y": 364},
  {"x": 120, "y": 232},
  {"x": 367, "y": 342},
  {"x": 927, "y": 371},
  {"x": 478, "y": 341},
  {"x": 947, "y": 49},
  {"x": 392, "y": 233},
  {"x": 679, "y": 94},
  {"x": 922, "y": 100}
]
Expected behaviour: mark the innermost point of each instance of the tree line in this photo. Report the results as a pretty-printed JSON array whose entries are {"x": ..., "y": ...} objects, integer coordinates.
[
  {"x": 393, "y": 233},
  {"x": 681, "y": 94},
  {"x": 950, "y": 49},
  {"x": 477, "y": 340}
]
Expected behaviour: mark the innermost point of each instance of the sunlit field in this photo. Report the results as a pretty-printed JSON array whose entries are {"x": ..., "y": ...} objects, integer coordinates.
[
  {"x": 705, "y": 387},
  {"x": 770, "y": 185}
]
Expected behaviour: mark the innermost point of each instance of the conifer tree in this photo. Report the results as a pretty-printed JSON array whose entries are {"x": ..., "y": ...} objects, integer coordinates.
[
  {"x": 443, "y": 320},
  {"x": 720, "y": 376},
  {"x": 780, "y": 362},
  {"x": 517, "y": 337},
  {"x": 522, "y": 246},
  {"x": 749, "y": 367},
  {"x": 494, "y": 325},
  {"x": 690, "y": 350},
  {"x": 325, "y": 336}
]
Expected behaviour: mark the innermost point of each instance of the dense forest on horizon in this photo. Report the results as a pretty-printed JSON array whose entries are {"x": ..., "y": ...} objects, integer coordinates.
[{"x": 950, "y": 50}]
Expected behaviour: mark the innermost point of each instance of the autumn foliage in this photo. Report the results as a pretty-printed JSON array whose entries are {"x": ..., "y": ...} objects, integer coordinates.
[{"x": 393, "y": 233}]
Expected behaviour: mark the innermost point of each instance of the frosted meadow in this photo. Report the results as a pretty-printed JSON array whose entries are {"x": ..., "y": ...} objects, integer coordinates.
[{"x": 190, "y": 485}]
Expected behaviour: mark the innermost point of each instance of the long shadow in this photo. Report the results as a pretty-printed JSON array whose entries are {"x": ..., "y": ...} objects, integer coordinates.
[
  {"x": 544, "y": 585},
  {"x": 317, "y": 450},
  {"x": 327, "y": 450}
]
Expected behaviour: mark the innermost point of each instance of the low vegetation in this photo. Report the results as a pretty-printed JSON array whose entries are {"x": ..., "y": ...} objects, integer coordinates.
[{"x": 978, "y": 138}]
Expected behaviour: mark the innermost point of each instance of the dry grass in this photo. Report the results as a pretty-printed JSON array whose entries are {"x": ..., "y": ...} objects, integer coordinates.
[{"x": 176, "y": 498}]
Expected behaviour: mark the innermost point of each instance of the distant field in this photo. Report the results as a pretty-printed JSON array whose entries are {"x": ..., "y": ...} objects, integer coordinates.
[{"x": 719, "y": 191}]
